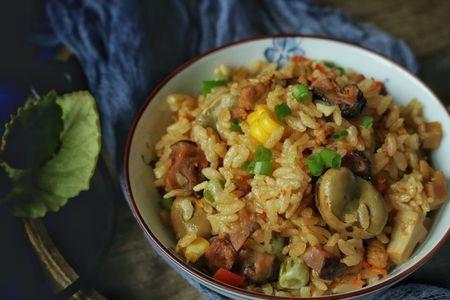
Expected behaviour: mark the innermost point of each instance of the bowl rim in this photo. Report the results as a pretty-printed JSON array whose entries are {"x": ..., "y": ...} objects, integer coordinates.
[{"x": 235, "y": 290}]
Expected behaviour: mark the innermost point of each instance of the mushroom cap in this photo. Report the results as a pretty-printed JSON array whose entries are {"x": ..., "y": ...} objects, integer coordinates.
[{"x": 339, "y": 195}]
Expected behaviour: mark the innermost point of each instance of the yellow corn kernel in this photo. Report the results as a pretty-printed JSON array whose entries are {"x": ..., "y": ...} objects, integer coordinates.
[
  {"x": 257, "y": 131},
  {"x": 261, "y": 123},
  {"x": 196, "y": 249}
]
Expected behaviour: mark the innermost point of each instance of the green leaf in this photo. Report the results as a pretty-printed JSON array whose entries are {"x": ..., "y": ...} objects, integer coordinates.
[
  {"x": 68, "y": 171},
  {"x": 33, "y": 134},
  {"x": 71, "y": 169}
]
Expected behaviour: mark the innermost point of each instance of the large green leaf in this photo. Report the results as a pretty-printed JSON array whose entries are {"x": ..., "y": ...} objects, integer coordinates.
[
  {"x": 68, "y": 172},
  {"x": 33, "y": 134}
]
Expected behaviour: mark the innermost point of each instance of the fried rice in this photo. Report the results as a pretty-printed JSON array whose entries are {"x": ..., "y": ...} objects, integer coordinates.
[{"x": 266, "y": 226}]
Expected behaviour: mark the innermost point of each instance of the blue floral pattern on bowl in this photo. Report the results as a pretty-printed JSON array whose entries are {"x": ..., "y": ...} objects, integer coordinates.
[{"x": 283, "y": 49}]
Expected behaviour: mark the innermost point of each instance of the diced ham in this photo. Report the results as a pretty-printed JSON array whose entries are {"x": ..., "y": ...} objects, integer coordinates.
[
  {"x": 437, "y": 189},
  {"x": 323, "y": 263},
  {"x": 257, "y": 267},
  {"x": 249, "y": 97},
  {"x": 220, "y": 253},
  {"x": 244, "y": 229},
  {"x": 187, "y": 161},
  {"x": 430, "y": 135}
]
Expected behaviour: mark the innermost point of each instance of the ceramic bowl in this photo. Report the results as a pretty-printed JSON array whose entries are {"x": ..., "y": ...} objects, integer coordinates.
[{"x": 154, "y": 116}]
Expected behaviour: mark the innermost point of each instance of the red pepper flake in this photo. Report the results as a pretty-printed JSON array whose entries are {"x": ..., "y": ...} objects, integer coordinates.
[
  {"x": 229, "y": 277},
  {"x": 320, "y": 68},
  {"x": 299, "y": 58}
]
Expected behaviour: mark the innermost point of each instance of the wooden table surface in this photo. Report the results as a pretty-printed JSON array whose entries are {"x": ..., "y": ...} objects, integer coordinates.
[{"x": 132, "y": 270}]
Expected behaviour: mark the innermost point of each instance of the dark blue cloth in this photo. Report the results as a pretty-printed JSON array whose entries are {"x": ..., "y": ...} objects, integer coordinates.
[{"x": 125, "y": 49}]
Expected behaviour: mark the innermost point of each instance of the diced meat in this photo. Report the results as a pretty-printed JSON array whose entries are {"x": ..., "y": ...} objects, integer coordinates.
[
  {"x": 358, "y": 163},
  {"x": 187, "y": 161},
  {"x": 220, "y": 253},
  {"x": 323, "y": 263},
  {"x": 257, "y": 267},
  {"x": 249, "y": 97},
  {"x": 430, "y": 135},
  {"x": 437, "y": 189},
  {"x": 425, "y": 170},
  {"x": 240, "y": 180},
  {"x": 349, "y": 98},
  {"x": 243, "y": 230}
]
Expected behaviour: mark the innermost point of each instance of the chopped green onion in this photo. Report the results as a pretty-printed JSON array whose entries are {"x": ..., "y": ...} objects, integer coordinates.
[
  {"x": 166, "y": 203},
  {"x": 315, "y": 164},
  {"x": 235, "y": 125},
  {"x": 301, "y": 93},
  {"x": 213, "y": 188},
  {"x": 331, "y": 64},
  {"x": 330, "y": 158},
  {"x": 339, "y": 135},
  {"x": 208, "y": 85},
  {"x": 366, "y": 122},
  {"x": 282, "y": 111},
  {"x": 262, "y": 168},
  {"x": 261, "y": 163},
  {"x": 262, "y": 154}
]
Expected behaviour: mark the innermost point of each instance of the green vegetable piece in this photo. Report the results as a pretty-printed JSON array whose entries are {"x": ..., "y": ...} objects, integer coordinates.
[
  {"x": 301, "y": 93},
  {"x": 366, "y": 122},
  {"x": 315, "y": 164},
  {"x": 208, "y": 85},
  {"x": 213, "y": 188},
  {"x": 261, "y": 163},
  {"x": 166, "y": 203},
  {"x": 339, "y": 135},
  {"x": 294, "y": 274},
  {"x": 47, "y": 187},
  {"x": 235, "y": 125},
  {"x": 32, "y": 136},
  {"x": 262, "y": 168},
  {"x": 262, "y": 154},
  {"x": 277, "y": 244},
  {"x": 282, "y": 111},
  {"x": 330, "y": 158},
  {"x": 331, "y": 64}
]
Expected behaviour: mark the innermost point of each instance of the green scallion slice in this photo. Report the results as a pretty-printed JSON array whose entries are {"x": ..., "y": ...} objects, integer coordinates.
[
  {"x": 262, "y": 154},
  {"x": 315, "y": 164},
  {"x": 339, "y": 135},
  {"x": 366, "y": 122},
  {"x": 282, "y": 111},
  {"x": 234, "y": 126},
  {"x": 208, "y": 85},
  {"x": 330, "y": 158},
  {"x": 301, "y": 93},
  {"x": 166, "y": 203}
]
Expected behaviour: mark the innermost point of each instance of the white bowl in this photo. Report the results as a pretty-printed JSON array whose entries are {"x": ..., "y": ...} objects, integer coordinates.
[{"x": 154, "y": 116}]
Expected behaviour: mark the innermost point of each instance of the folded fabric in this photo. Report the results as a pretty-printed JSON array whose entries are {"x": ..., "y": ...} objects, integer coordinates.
[{"x": 126, "y": 47}]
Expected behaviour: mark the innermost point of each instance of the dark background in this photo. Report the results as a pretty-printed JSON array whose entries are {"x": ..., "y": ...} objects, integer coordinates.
[{"x": 105, "y": 245}]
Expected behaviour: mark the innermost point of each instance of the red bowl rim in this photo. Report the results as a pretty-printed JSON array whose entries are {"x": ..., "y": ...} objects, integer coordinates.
[{"x": 235, "y": 290}]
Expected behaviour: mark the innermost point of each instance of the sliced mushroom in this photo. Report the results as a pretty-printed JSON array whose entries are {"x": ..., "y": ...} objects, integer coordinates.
[
  {"x": 339, "y": 194},
  {"x": 349, "y": 98},
  {"x": 184, "y": 221},
  {"x": 208, "y": 117}
]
